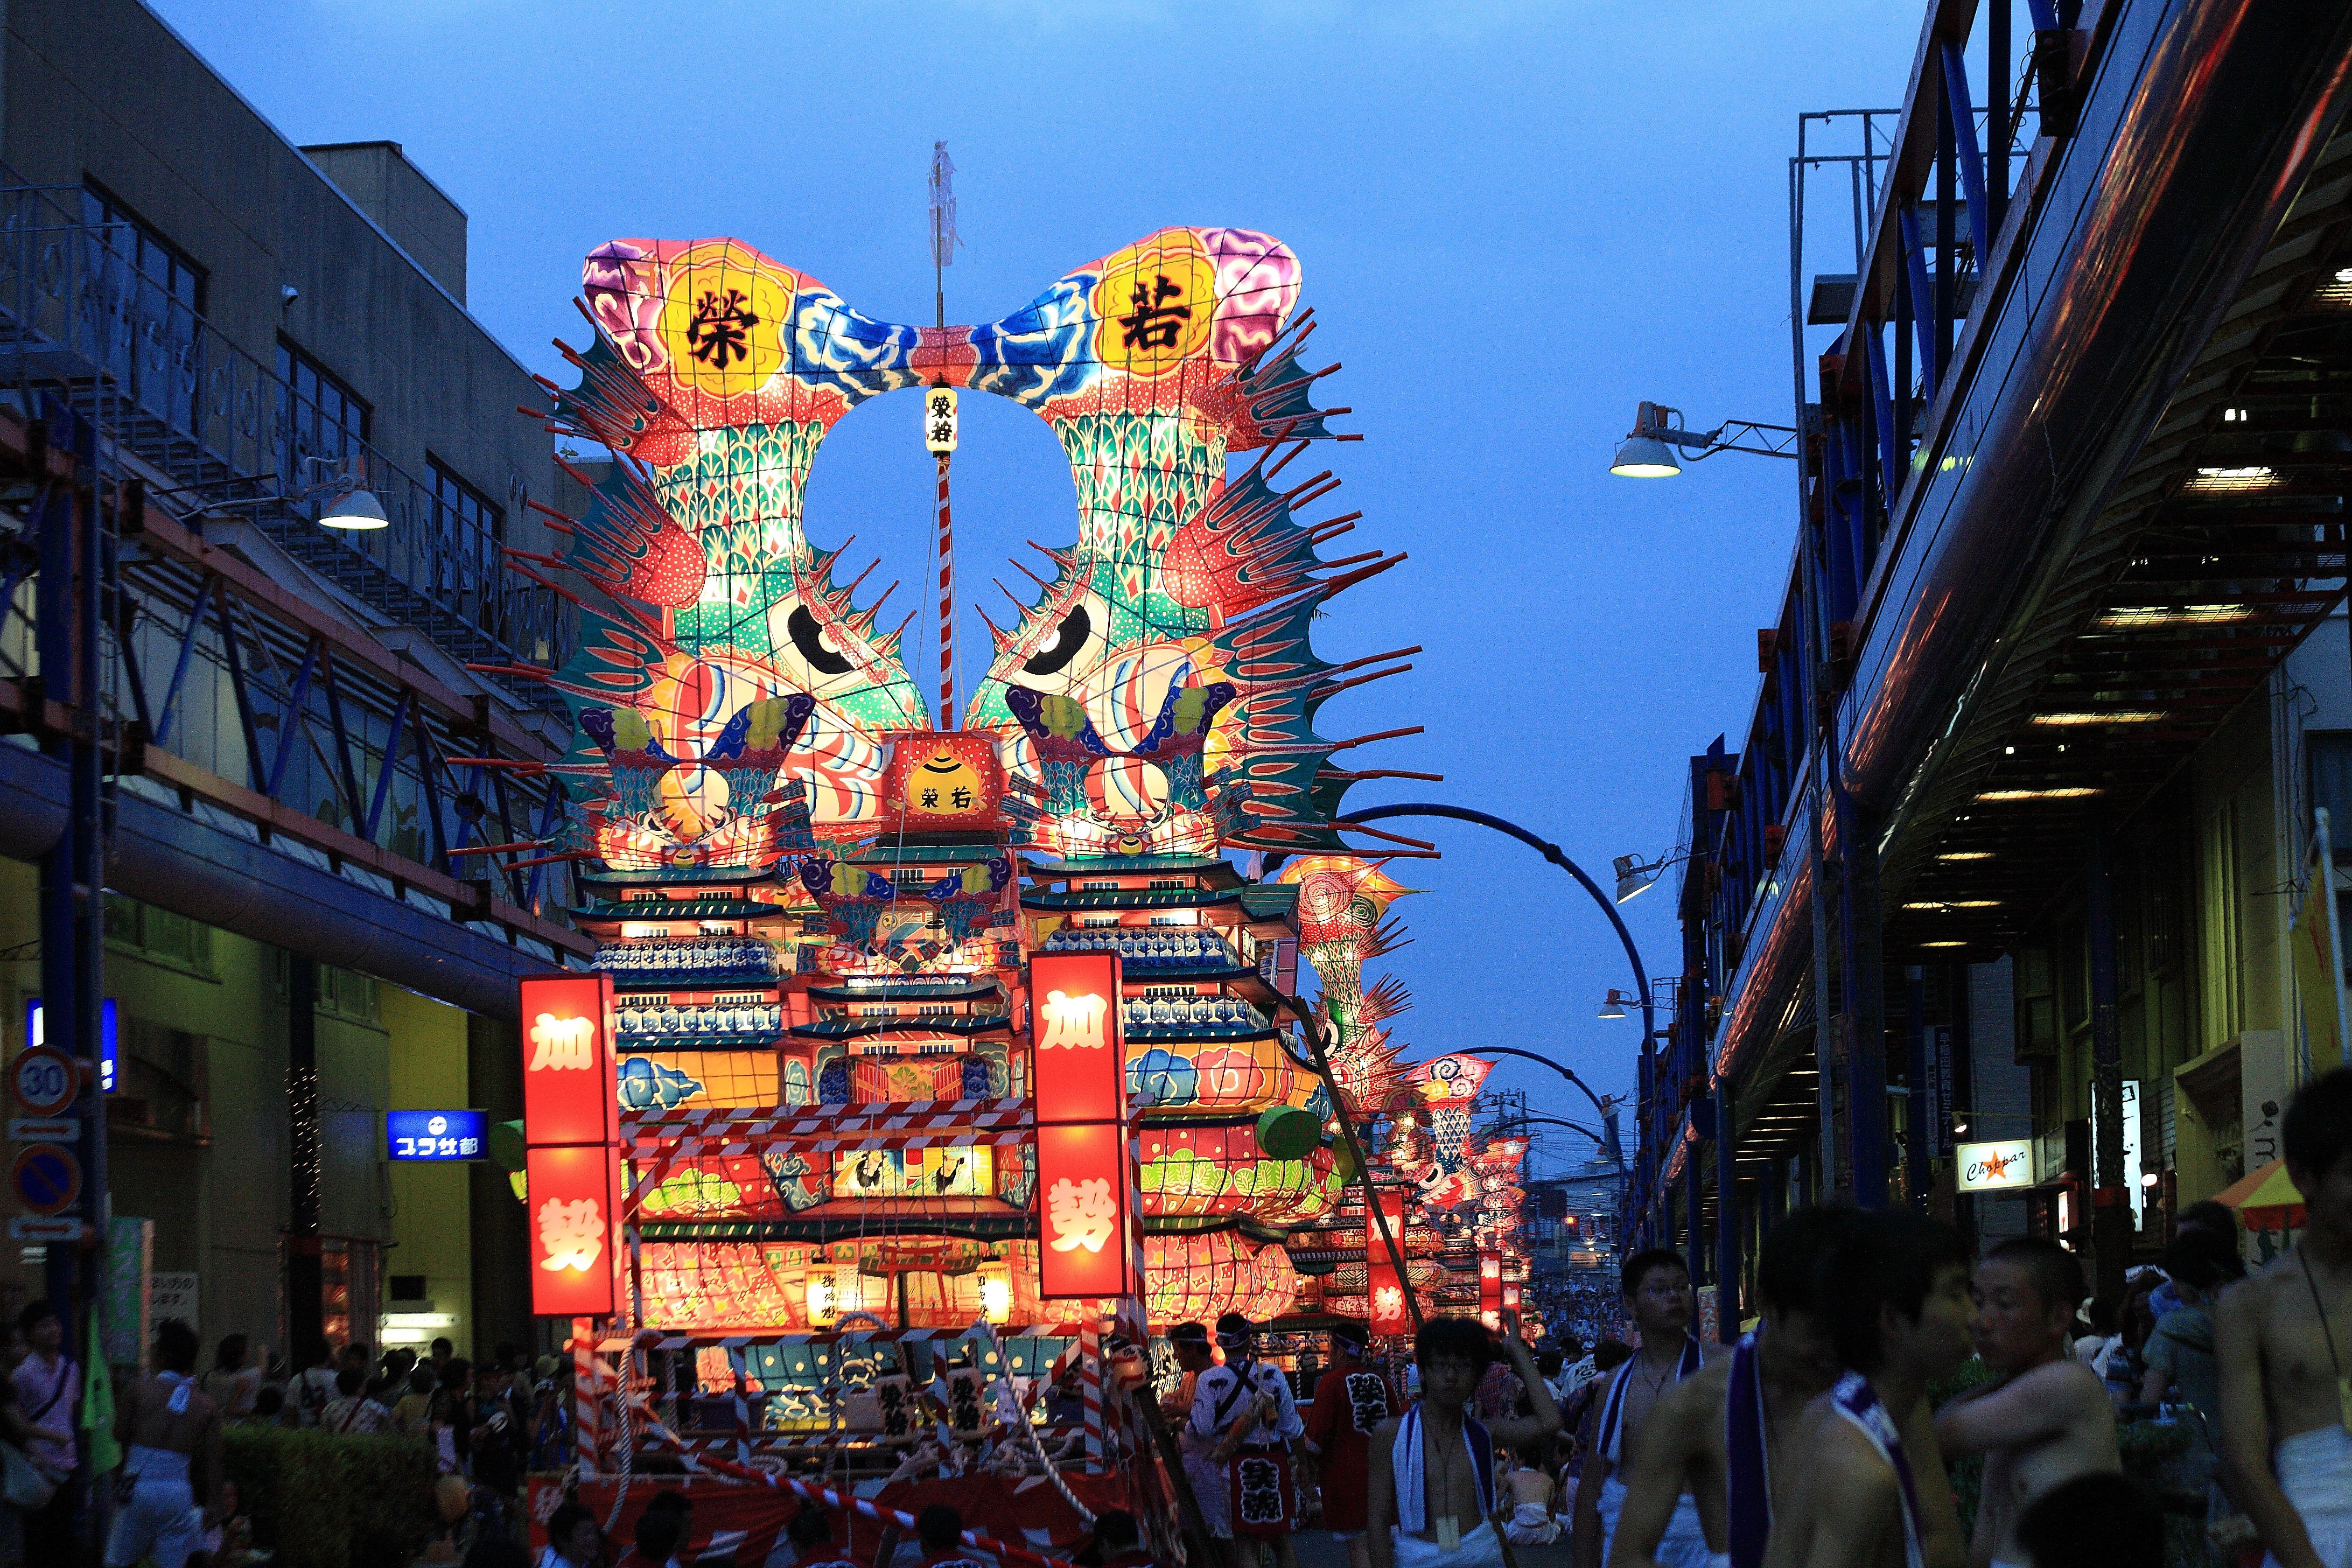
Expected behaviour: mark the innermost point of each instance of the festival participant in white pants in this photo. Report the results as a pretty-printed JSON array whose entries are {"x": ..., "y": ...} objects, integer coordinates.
[
  {"x": 1430, "y": 1496},
  {"x": 2284, "y": 1342},
  {"x": 1246, "y": 1418},
  {"x": 171, "y": 1433},
  {"x": 1658, "y": 1287}
]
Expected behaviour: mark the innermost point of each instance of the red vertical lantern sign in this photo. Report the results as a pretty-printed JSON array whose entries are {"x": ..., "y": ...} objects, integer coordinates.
[
  {"x": 1490, "y": 1290},
  {"x": 1390, "y": 1313},
  {"x": 1087, "y": 1211},
  {"x": 571, "y": 1126}
]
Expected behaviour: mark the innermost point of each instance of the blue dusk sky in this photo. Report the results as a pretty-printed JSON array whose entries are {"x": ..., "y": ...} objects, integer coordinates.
[{"x": 1515, "y": 220}]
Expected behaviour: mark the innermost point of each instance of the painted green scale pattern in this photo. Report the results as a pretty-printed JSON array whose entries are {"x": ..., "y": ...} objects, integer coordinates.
[
  {"x": 742, "y": 495},
  {"x": 1139, "y": 478}
]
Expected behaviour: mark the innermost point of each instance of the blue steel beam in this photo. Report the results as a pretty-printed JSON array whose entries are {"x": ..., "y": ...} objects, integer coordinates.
[
  {"x": 294, "y": 717},
  {"x": 1964, "y": 136}
]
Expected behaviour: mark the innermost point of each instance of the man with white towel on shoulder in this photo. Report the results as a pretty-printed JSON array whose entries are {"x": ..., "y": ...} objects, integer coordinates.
[{"x": 1430, "y": 1496}]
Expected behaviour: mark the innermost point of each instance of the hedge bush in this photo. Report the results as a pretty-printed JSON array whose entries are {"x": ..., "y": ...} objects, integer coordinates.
[{"x": 325, "y": 1501}]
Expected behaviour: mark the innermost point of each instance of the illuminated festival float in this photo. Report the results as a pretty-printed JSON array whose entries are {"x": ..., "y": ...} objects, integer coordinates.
[{"x": 922, "y": 1065}]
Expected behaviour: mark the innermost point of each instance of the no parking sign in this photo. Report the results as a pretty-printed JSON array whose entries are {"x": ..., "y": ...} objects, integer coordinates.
[{"x": 48, "y": 1178}]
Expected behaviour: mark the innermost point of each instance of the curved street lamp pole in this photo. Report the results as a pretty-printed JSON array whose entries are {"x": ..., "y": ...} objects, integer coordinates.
[
  {"x": 1608, "y": 1111},
  {"x": 1558, "y": 856},
  {"x": 1558, "y": 1121},
  {"x": 1550, "y": 851}
]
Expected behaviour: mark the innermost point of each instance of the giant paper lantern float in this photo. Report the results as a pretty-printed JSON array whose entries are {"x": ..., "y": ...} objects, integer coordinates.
[{"x": 827, "y": 923}]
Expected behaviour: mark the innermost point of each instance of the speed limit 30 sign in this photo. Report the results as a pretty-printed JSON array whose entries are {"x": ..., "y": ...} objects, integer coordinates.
[{"x": 44, "y": 1079}]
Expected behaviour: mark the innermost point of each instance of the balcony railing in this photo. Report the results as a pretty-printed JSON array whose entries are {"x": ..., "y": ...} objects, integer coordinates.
[{"x": 164, "y": 383}]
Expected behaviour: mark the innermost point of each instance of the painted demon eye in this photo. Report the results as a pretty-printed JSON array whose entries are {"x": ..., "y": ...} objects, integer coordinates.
[
  {"x": 1063, "y": 645},
  {"x": 809, "y": 638}
]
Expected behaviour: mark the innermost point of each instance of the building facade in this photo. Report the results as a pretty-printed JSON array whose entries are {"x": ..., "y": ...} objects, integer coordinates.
[
  {"x": 233, "y": 333},
  {"x": 1988, "y": 909}
]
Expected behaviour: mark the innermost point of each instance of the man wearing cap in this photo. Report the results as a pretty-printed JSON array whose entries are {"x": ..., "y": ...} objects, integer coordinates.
[
  {"x": 1245, "y": 1420},
  {"x": 1350, "y": 1402}
]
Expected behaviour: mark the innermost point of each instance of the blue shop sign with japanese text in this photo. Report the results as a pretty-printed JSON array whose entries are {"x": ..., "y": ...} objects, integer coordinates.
[{"x": 435, "y": 1135}]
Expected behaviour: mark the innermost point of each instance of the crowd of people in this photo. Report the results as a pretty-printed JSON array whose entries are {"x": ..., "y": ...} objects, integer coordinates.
[
  {"x": 1817, "y": 1440},
  {"x": 486, "y": 1426},
  {"x": 1814, "y": 1441}
]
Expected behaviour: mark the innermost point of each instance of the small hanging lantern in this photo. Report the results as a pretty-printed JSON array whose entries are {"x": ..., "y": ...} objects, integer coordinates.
[
  {"x": 996, "y": 1292},
  {"x": 939, "y": 419}
]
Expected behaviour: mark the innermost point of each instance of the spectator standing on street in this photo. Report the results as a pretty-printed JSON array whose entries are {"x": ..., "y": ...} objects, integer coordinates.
[
  {"x": 171, "y": 1434},
  {"x": 2180, "y": 1353},
  {"x": 2209, "y": 1221},
  {"x": 48, "y": 1383},
  {"x": 452, "y": 1416},
  {"x": 657, "y": 1539},
  {"x": 1350, "y": 1402},
  {"x": 1606, "y": 1357},
  {"x": 313, "y": 1388},
  {"x": 2048, "y": 1421},
  {"x": 572, "y": 1539},
  {"x": 412, "y": 1414},
  {"x": 2094, "y": 1348},
  {"x": 233, "y": 1381},
  {"x": 15, "y": 1429},
  {"x": 492, "y": 1436},
  {"x": 351, "y": 1414}
]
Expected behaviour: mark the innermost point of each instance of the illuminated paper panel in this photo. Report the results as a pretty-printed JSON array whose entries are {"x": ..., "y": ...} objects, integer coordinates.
[
  {"x": 568, "y": 1092},
  {"x": 1075, "y": 1031},
  {"x": 1388, "y": 1312},
  {"x": 575, "y": 1233},
  {"x": 1083, "y": 1212}
]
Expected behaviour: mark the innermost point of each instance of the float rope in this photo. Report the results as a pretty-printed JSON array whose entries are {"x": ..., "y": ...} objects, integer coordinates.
[{"x": 1028, "y": 1429}]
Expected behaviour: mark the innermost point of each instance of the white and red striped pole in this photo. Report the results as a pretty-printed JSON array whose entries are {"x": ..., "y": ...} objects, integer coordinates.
[
  {"x": 587, "y": 1388},
  {"x": 1090, "y": 1386},
  {"x": 947, "y": 604}
]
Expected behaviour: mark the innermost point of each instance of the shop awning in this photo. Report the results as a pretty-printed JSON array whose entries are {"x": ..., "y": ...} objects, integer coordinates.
[{"x": 2266, "y": 1199}]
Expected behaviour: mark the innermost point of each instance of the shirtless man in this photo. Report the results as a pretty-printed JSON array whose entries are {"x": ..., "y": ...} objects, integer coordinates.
[
  {"x": 1872, "y": 1494},
  {"x": 1688, "y": 1446},
  {"x": 1657, "y": 1288},
  {"x": 2048, "y": 1420},
  {"x": 171, "y": 1434},
  {"x": 1431, "y": 1487},
  {"x": 2284, "y": 1339}
]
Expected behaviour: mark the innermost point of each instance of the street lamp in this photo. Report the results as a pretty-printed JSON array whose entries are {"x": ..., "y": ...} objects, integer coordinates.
[
  {"x": 355, "y": 509},
  {"x": 1614, "y": 1004},
  {"x": 1633, "y": 875},
  {"x": 1647, "y": 452}
]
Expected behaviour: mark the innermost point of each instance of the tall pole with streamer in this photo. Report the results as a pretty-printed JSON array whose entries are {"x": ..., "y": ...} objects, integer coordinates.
[{"x": 939, "y": 417}]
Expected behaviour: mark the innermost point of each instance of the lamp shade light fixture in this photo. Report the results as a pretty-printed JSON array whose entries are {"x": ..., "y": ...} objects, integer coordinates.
[
  {"x": 355, "y": 509},
  {"x": 1642, "y": 456},
  {"x": 1613, "y": 1005},
  {"x": 1633, "y": 876}
]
